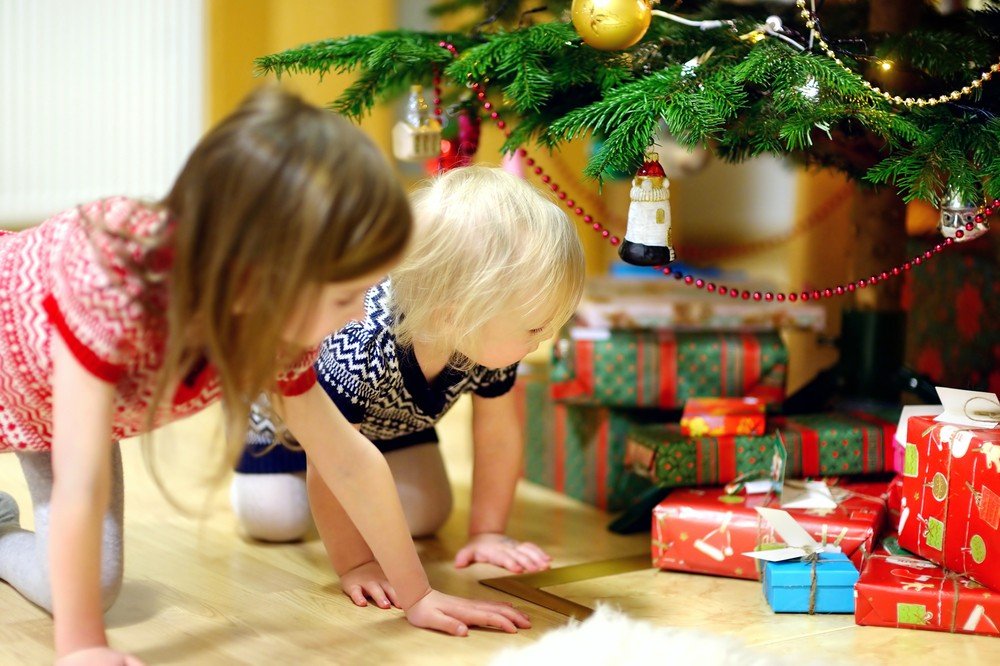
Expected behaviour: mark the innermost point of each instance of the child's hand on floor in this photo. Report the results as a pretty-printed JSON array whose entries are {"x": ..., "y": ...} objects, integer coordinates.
[
  {"x": 454, "y": 615},
  {"x": 98, "y": 656},
  {"x": 502, "y": 551},
  {"x": 366, "y": 581}
]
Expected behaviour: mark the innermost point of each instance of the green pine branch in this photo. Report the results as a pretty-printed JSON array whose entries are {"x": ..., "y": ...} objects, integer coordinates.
[{"x": 746, "y": 99}]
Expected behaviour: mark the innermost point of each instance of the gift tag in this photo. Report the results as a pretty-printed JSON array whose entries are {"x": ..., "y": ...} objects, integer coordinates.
[
  {"x": 807, "y": 495},
  {"x": 974, "y": 409}
]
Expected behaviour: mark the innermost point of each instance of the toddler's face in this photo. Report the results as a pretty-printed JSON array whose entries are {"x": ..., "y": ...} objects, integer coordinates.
[
  {"x": 329, "y": 307},
  {"x": 508, "y": 338}
]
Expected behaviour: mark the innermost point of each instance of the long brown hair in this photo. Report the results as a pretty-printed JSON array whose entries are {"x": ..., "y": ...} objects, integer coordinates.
[{"x": 279, "y": 196}]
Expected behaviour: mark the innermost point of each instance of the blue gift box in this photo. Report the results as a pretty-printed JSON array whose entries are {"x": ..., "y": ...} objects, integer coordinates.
[{"x": 787, "y": 584}]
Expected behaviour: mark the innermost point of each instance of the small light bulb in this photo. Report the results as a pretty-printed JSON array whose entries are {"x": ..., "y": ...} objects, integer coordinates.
[{"x": 886, "y": 65}]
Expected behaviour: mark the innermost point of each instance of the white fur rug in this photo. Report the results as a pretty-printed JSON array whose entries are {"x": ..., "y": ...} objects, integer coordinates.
[{"x": 610, "y": 637}]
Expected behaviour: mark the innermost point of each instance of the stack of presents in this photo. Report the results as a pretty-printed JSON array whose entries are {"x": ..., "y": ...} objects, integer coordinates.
[{"x": 892, "y": 516}]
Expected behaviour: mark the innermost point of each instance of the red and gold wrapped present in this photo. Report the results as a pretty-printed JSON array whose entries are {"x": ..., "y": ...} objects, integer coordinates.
[
  {"x": 951, "y": 498},
  {"x": 706, "y": 531},
  {"x": 897, "y": 591},
  {"x": 723, "y": 416},
  {"x": 657, "y": 368}
]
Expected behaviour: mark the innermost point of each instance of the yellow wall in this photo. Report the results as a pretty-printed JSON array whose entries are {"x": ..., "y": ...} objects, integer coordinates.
[{"x": 240, "y": 30}]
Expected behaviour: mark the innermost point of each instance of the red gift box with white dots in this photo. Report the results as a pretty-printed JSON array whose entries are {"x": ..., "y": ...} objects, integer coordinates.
[{"x": 950, "y": 509}]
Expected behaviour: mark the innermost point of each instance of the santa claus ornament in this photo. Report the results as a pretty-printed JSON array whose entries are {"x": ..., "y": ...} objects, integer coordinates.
[{"x": 647, "y": 238}]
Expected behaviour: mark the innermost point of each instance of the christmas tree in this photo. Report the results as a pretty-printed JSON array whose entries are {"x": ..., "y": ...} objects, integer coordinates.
[{"x": 897, "y": 94}]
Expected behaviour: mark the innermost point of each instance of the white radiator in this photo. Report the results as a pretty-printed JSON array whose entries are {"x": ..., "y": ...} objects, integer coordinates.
[{"x": 97, "y": 97}]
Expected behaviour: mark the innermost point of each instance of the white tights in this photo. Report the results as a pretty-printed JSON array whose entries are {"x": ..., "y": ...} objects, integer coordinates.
[
  {"x": 24, "y": 555},
  {"x": 275, "y": 507}
]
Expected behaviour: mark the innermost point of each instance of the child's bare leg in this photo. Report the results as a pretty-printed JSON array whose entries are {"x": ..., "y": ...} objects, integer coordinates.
[
  {"x": 24, "y": 555},
  {"x": 423, "y": 487},
  {"x": 424, "y": 492}
]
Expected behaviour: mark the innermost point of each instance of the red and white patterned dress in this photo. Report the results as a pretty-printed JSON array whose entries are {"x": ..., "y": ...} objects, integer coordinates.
[{"x": 61, "y": 279}]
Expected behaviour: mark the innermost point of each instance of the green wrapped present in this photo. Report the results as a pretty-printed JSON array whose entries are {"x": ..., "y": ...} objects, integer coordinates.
[
  {"x": 578, "y": 451},
  {"x": 817, "y": 445},
  {"x": 662, "y": 369}
]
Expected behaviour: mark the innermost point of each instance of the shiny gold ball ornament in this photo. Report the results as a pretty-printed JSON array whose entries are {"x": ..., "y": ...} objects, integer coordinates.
[{"x": 611, "y": 25}]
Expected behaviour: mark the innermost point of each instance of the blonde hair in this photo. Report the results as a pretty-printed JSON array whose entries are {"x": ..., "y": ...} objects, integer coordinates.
[
  {"x": 485, "y": 241},
  {"x": 279, "y": 197}
]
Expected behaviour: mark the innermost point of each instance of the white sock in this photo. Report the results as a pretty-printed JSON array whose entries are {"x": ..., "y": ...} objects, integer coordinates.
[{"x": 271, "y": 507}]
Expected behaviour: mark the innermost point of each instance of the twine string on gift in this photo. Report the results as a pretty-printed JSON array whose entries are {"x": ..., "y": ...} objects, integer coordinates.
[
  {"x": 840, "y": 494},
  {"x": 954, "y": 578},
  {"x": 981, "y": 414},
  {"x": 812, "y": 559},
  {"x": 977, "y": 495}
]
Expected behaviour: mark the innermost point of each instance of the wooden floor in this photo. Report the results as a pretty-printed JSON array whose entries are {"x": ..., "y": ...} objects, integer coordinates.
[{"x": 195, "y": 593}]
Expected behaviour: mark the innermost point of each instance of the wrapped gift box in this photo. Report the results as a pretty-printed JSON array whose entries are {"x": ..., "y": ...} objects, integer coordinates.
[
  {"x": 658, "y": 368},
  {"x": 788, "y": 585},
  {"x": 723, "y": 416},
  {"x": 611, "y": 302},
  {"x": 951, "y": 498},
  {"x": 894, "y": 499},
  {"x": 668, "y": 458},
  {"x": 954, "y": 307},
  {"x": 578, "y": 451},
  {"x": 817, "y": 445},
  {"x": 896, "y": 591},
  {"x": 706, "y": 531},
  {"x": 837, "y": 443}
]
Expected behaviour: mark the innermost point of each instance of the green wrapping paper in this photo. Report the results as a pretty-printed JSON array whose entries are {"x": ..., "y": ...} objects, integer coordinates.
[
  {"x": 817, "y": 445},
  {"x": 578, "y": 451},
  {"x": 655, "y": 368}
]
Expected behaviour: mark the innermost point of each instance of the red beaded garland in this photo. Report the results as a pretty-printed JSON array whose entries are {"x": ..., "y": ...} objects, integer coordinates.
[{"x": 699, "y": 283}]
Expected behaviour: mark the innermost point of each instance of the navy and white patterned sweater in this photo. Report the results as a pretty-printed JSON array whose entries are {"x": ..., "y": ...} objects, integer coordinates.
[{"x": 378, "y": 384}]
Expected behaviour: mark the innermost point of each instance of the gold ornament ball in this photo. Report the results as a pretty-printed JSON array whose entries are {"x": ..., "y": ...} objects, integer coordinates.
[{"x": 611, "y": 25}]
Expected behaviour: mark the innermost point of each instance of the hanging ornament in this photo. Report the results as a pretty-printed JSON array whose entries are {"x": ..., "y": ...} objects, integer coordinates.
[
  {"x": 513, "y": 163},
  {"x": 958, "y": 220},
  {"x": 446, "y": 160},
  {"x": 418, "y": 136},
  {"x": 468, "y": 135},
  {"x": 647, "y": 238},
  {"x": 459, "y": 143},
  {"x": 611, "y": 25}
]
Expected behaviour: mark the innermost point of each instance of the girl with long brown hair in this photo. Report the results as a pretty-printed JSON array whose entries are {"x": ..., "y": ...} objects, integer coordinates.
[{"x": 119, "y": 316}]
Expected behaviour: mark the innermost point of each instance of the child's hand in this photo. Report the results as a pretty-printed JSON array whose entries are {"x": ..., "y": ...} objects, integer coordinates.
[
  {"x": 454, "y": 615},
  {"x": 98, "y": 656},
  {"x": 515, "y": 556},
  {"x": 367, "y": 580}
]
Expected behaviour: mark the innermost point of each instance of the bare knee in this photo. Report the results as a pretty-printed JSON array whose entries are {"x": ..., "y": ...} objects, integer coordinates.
[{"x": 428, "y": 514}]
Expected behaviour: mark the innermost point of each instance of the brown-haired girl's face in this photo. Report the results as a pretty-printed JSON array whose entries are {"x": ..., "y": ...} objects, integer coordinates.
[{"x": 326, "y": 308}]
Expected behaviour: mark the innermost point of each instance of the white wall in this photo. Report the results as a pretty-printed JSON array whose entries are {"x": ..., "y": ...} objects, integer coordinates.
[{"x": 97, "y": 97}]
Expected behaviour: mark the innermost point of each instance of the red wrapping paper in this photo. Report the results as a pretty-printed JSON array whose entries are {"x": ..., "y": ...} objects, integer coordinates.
[
  {"x": 723, "y": 416},
  {"x": 950, "y": 509},
  {"x": 896, "y": 591},
  {"x": 706, "y": 531}
]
